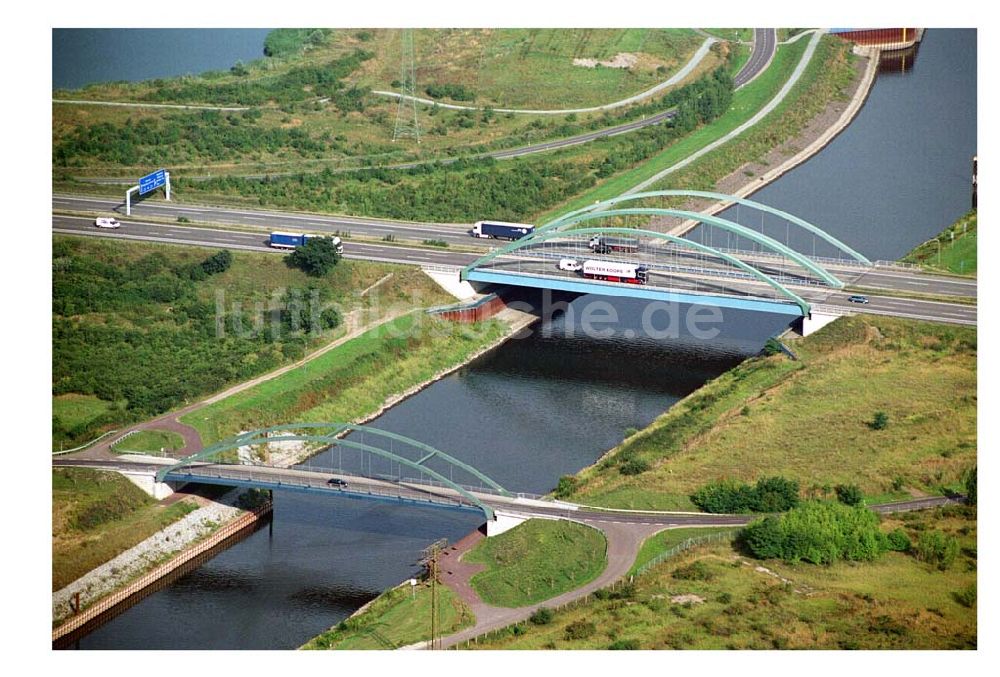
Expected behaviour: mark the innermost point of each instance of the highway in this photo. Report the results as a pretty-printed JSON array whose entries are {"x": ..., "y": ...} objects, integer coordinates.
[
  {"x": 411, "y": 255},
  {"x": 764, "y": 45}
]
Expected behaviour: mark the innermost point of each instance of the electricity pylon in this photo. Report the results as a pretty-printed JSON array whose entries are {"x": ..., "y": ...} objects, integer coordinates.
[{"x": 406, "y": 112}]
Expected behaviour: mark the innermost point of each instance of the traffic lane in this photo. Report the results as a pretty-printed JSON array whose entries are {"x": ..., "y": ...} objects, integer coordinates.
[
  {"x": 208, "y": 237},
  {"x": 926, "y": 284},
  {"x": 912, "y": 308},
  {"x": 764, "y": 44},
  {"x": 275, "y": 220}
]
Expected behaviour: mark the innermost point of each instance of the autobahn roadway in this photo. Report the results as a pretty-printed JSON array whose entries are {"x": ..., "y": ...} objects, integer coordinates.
[{"x": 412, "y": 255}]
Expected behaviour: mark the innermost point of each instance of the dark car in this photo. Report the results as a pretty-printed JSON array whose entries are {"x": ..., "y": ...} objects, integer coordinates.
[
  {"x": 857, "y": 298},
  {"x": 336, "y": 482}
]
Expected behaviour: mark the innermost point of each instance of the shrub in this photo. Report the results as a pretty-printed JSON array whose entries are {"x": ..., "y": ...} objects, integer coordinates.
[
  {"x": 580, "y": 630},
  {"x": 849, "y": 494},
  {"x": 970, "y": 487},
  {"x": 772, "y": 494},
  {"x": 898, "y": 540},
  {"x": 218, "y": 262},
  {"x": 880, "y": 421},
  {"x": 567, "y": 485},
  {"x": 937, "y": 549},
  {"x": 696, "y": 571},
  {"x": 819, "y": 532},
  {"x": 966, "y": 596},
  {"x": 316, "y": 257},
  {"x": 624, "y": 645},
  {"x": 543, "y": 616},
  {"x": 633, "y": 466}
]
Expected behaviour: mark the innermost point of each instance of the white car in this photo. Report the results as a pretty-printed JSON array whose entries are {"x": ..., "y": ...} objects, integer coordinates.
[
  {"x": 570, "y": 264},
  {"x": 108, "y": 223}
]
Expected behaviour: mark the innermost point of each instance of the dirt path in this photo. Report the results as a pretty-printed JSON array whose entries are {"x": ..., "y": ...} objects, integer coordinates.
[{"x": 624, "y": 540}]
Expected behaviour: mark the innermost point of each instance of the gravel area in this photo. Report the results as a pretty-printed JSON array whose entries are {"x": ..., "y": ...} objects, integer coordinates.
[{"x": 135, "y": 561}]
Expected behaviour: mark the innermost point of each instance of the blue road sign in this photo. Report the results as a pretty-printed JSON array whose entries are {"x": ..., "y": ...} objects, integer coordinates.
[{"x": 152, "y": 181}]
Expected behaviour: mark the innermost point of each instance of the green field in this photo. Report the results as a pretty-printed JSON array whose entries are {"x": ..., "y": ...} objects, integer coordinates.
[
  {"x": 154, "y": 304},
  {"x": 396, "y": 618},
  {"x": 660, "y": 543},
  {"x": 536, "y": 561},
  {"x": 150, "y": 441},
  {"x": 353, "y": 379},
  {"x": 728, "y": 600},
  {"x": 97, "y": 515},
  {"x": 953, "y": 251},
  {"x": 809, "y": 420}
]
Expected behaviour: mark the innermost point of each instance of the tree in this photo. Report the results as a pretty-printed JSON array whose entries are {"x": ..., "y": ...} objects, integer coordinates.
[
  {"x": 936, "y": 548},
  {"x": 316, "y": 257},
  {"x": 970, "y": 487},
  {"x": 849, "y": 494}
]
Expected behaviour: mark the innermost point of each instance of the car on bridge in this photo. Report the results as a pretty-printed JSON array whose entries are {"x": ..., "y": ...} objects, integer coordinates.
[
  {"x": 109, "y": 222},
  {"x": 570, "y": 264},
  {"x": 336, "y": 482},
  {"x": 857, "y": 298}
]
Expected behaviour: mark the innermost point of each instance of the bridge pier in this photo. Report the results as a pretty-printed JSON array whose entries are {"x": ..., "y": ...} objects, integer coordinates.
[
  {"x": 503, "y": 522},
  {"x": 816, "y": 320},
  {"x": 146, "y": 480}
]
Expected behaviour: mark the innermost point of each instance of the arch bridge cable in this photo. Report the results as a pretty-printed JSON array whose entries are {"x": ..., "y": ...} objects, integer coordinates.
[
  {"x": 567, "y": 219},
  {"x": 541, "y": 239}
]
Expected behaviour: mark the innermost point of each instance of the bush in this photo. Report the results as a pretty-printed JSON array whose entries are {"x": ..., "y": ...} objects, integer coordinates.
[
  {"x": 580, "y": 630},
  {"x": 967, "y": 596},
  {"x": 696, "y": 571},
  {"x": 819, "y": 532},
  {"x": 898, "y": 540},
  {"x": 218, "y": 262},
  {"x": 772, "y": 494},
  {"x": 937, "y": 549},
  {"x": 849, "y": 494},
  {"x": 971, "y": 492},
  {"x": 543, "y": 616},
  {"x": 567, "y": 485},
  {"x": 624, "y": 645},
  {"x": 316, "y": 257},
  {"x": 880, "y": 421},
  {"x": 633, "y": 466}
]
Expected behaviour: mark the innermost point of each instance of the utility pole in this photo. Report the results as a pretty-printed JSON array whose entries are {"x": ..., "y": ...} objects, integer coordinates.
[
  {"x": 406, "y": 111},
  {"x": 975, "y": 180},
  {"x": 429, "y": 559}
]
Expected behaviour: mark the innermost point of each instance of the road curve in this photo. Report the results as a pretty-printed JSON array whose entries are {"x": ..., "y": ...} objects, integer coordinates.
[{"x": 764, "y": 47}]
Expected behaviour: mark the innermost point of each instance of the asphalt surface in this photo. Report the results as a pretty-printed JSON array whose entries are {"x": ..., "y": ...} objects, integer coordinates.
[
  {"x": 764, "y": 47},
  {"x": 399, "y": 253}
]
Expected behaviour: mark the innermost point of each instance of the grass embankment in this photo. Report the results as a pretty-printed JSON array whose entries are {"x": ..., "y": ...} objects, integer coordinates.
[
  {"x": 97, "y": 515},
  {"x": 896, "y": 602},
  {"x": 150, "y": 441},
  {"x": 826, "y": 79},
  {"x": 398, "y": 617},
  {"x": 353, "y": 380},
  {"x": 536, "y": 561},
  {"x": 952, "y": 251},
  {"x": 660, "y": 543},
  {"x": 808, "y": 420},
  {"x": 745, "y": 104},
  {"x": 136, "y": 326}
]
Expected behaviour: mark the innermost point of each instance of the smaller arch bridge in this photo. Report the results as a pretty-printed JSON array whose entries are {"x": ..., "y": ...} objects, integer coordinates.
[{"x": 377, "y": 466}]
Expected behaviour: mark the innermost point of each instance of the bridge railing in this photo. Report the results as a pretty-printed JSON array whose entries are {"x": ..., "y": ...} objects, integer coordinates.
[{"x": 300, "y": 482}]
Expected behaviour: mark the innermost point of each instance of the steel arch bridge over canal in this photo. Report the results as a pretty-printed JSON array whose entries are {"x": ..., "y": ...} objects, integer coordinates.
[
  {"x": 349, "y": 460},
  {"x": 612, "y": 250}
]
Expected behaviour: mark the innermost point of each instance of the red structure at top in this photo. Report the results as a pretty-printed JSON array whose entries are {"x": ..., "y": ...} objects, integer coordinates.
[{"x": 883, "y": 38}]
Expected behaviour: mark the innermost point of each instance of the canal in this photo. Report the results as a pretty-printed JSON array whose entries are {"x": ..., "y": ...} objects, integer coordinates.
[{"x": 551, "y": 403}]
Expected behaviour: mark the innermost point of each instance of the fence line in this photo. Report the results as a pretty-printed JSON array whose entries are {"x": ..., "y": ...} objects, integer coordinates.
[
  {"x": 84, "y": 445},
  {"x": 616, "y": 584}
]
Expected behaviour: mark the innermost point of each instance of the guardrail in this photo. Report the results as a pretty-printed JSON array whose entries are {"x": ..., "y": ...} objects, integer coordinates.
[{"x": 85, "y": 445}]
